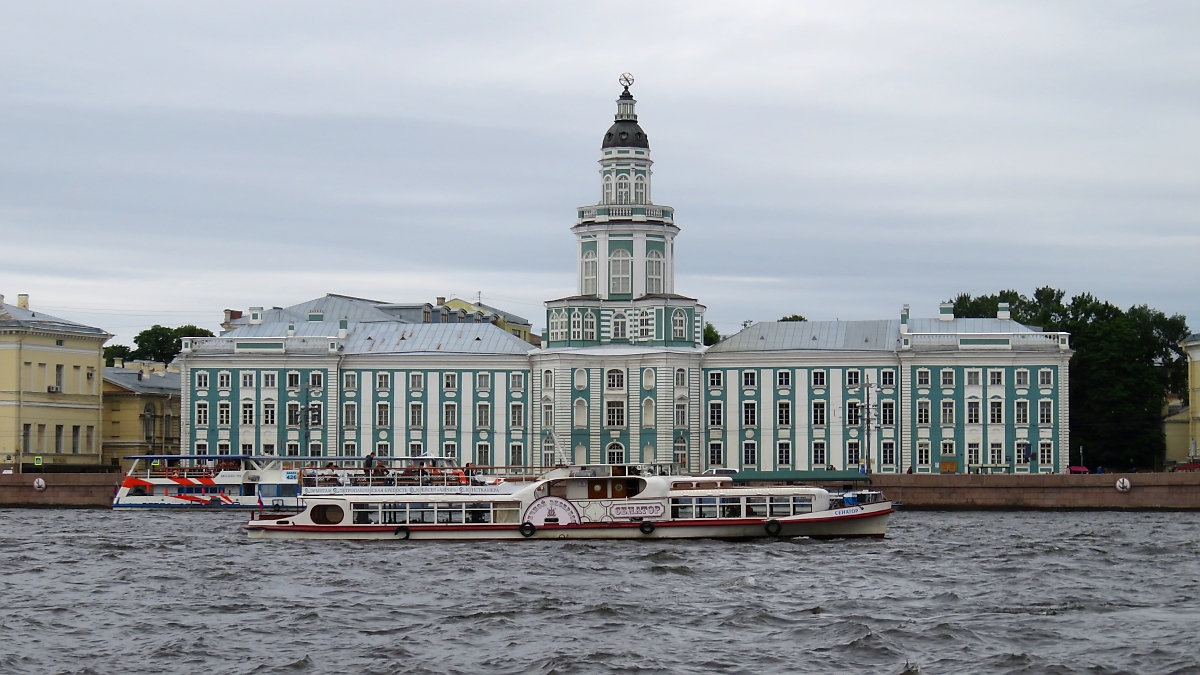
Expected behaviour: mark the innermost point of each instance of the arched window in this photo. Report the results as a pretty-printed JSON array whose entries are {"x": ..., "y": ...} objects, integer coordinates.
[
  {"x": 616, "y": 453},
  {"x": 680, "y": 377},
  {"x": 547, "y": 379},
  {"x": 679, "y": 325},
  {"x": 654, "y": 272},
  {"x": 623, "y": 190},
  {"x": 589, "y": 273},
  {"x": 576, "y": 325},
  {"x": 620, "y": 327},
  {"x": 548, "y": 451},
  {"x": 558, "y": 326},
  {"x": 580, "y": 410},
  {"x": 620, "y": 271},
  {"x": 607, "y": 194},
  {"x": 589, "y": 326},
  {"x": 615, "y": 380},
  {"x": 680, "y": 450},
  {"x": 639, "y": 191},
  {"x": 645, "y": 325},
  {"x": 648, "y": 413}
]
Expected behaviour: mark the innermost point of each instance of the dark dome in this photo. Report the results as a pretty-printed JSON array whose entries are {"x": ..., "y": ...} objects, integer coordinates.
[{"x": 625, "y": 134}]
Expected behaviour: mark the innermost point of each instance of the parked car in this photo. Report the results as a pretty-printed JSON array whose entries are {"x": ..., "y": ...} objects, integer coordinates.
[{"x": 720, "y": 472}]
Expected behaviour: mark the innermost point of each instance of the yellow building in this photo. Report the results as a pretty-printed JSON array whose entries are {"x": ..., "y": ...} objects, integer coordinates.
[
  {"x": 1192, "y": 347},
  {"x": 519, "y": 326},
  {"x": 50, "y": 393},
  {"x": 141, "y": 411}
]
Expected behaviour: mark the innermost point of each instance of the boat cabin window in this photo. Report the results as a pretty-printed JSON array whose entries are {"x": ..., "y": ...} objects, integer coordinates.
[
  {"x": 422, "y": 513},
  {"x": 327, "y": 514},
  {"x": 707, "y": 485},
  {"x": 682, "y": 485},
  {"x": 775, "y": 506},
  {"x": 731, "y": 507}
]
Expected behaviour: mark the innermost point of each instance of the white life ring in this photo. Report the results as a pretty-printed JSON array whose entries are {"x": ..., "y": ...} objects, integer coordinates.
[
  {"x": 1123, "y": 485},
  {"x": 39, "y": 484}
]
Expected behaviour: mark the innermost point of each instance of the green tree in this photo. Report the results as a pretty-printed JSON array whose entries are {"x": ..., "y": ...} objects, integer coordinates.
[
  {"x": 162, "y": 344},
  {"x": 793, "y": 317},
  {"x": 116, "y": 352},
  {"x": 711, "y": 336},
  {"x": 1125, "y": 364}
]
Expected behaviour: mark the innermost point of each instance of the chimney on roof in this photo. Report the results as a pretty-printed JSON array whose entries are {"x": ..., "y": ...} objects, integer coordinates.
[
  {"x": 1002, "y": 312},
  {"x": 23, "y": 301},
  {"x": 230, "y": 315},
  {"x": 118, "y": 362},
  {"x": 441, "y": 300},
  {"x": 946, "y": 311}
]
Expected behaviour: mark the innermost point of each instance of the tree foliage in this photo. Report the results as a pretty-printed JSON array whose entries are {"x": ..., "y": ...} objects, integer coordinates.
[
  {"x": 116, "y": 352},
  {"x": 1125, "y": 364},
  {"x": 793, "y": 317},
  {"x": 156, "y": 343},
  {"x": 711, "y": 336}
]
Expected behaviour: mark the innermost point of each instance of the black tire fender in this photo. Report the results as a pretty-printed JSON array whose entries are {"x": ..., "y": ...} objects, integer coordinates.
[
  {"x": 403, "y": 532},
  {"x": 646, "y": 527},
  {"x": 527, "y": 529},
  {"x": 773, "y": 527}
]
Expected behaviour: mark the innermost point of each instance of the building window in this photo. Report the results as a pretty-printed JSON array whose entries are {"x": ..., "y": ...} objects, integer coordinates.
[
  {"x": 516, "y": 415},
  {"x": 947, "y": 412},
  {"x": 972, "y": 412},
  {"x": 853, "y": 378},
  {"x": 293, "y": 449},
  {"x": 749, "y": 378},
  {"x": 516, "y": 454},
  {"x": 450, "y": 381},
  {"x": 576, "y": 325},
  {"x": 679, "y": 325},
  {"x": 1045, "y": 412},
  {"x": 268, "y": 380},
  {"x": 887, "y": 413},
  {"x": 223, "y": 380},
  {"x": 922, "y": 378},
  {"x": 589, "y": 326},
  {"x": 416, "y": 415},
  {"x": 620, "y": 267},
  {"x": 614, "y": 413},
  {"x": 996, "y": 378},
  {"x": 293, "y": 382},
  {"x": 622, "y": 189},
  {"x": 202, "y": 448},
  {"x": 201, "y": 417},
  {"x": 654, "y": 272},
  {"x": 616, "y": 453},
  {"x": 349, "y": 381},
  {"x": 783, "y": 453},
  {"x": 449, "y": 415},
  {"x": 818, "y": 413},
  {"x": 202, "y": 380},
  {"x": 316, "y": 379},
  {"x": 349, "y": 414},
  {"x": 1021, "y": 378},
  {"x": 383, "y": 414},
  {"x": 716, "y": 414},
  {"x": 972, "y": 378},
  {"x": 749, "y": 453},
  {"x": 223, "y": 413},
  {"x": 923, "y": 412},
  {"x": 223, "y": 448},
  {"x": 547, "y": 379},
  {"x": 947, "y": 447},
  {"x": 888, "y": 450},
  {"x": 749, "y": 414},
  {"x": 248, "y": 414},
  {"x": 996, "y": 415},
  {"x": 818, "y": 454},
  {"x": 715, "y": 379},
  {"x": 972, "y": 454},
  {"x": 681, "y": 416},
  {"x": 314, "y": 414},
  {"x": 350, "y": 449},
  {"x": 783, "y": 378},
  {"x": 516, "y": 381},
  {"x": 639, "y": 190},
  {"x": 818, "y": 378},
  {"x": 558, "y": 326},
  {"x": 383, "y": 381},
  {"x": 483, "y": 454},
  {"x": 1045, "y": 378},
  {"x": 853, "y": 413},
  {"x": 615, "y": 380},
  {"x": 547, "y": 415},
  {"x": 293, "y": 414},
  {"x": 548, "y": 452},
  {"x": 1045, "y": 453},
  {"x": 680, "y": 377},
  {"x": 923, "y": 453},
  {"x": 416, "y": 381},
  {"x": 450, "y": 449},
  {"x": 853, "y": 453},
  {"x": 620, "y": 326},
  {"x": 483, "y": 381},
  {"x": 887, "y": 378},
  {"x": 483, "y": 415},
  {"x": 783, "y": 413},
  {"x": 415, "y": 449},
  {"x": 247, "y": 380},
  {"x": 645, "y": 325},
  {"x": 314, "y": 449},
  {"x": 947, "y": 378},
  {"x": 589, "y": 273},
  {"x": 716, "y": 454},
  {"x": 997, "y": 452},
  {"x": 1024, "y": 452},
  {"x": 1021, "y": 413},
  {"x": 268, "y": 415},
  {"x": 679, "y": 452}
]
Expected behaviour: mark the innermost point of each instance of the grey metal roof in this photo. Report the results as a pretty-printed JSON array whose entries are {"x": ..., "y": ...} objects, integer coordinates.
[
  {"x": 12, "y": 316},
  {"x": 507, "y": 316},
  {"x": 152, "y": 383},
  {"x": 813, "y": 336},
  {"x": 332, "y": 306},
  {"x": 990, "y": 326},
  {"x": 280, "y": 329},
  {"x": 447, "y": 338}
]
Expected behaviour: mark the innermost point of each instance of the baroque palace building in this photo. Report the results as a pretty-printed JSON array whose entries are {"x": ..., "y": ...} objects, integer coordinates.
[{"x": 622, "y": 374}]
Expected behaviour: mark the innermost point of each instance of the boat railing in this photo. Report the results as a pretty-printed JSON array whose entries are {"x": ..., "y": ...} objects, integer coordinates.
[{"x": 333, "y": 475}]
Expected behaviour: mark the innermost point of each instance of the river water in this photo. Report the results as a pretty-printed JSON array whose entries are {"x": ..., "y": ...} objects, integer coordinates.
[{"x": 1010, "y": 592}]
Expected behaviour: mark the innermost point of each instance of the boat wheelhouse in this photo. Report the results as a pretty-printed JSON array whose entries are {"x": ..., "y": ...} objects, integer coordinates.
[{"x": 210, "y": 482}]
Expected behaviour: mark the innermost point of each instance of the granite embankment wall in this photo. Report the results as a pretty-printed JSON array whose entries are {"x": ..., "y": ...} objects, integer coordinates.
[
  {"x": 1157, "y": 491},
  {"x": 79, "y": 490}
]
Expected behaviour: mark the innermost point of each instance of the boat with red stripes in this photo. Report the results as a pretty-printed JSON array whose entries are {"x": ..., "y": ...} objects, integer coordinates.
[
  {"x": 586, "y": 502},
  {"x": 209, "y": 482}
]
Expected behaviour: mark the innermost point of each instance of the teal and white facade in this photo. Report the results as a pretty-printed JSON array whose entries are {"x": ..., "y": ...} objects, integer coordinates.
[{"x": 622, "y": 374}]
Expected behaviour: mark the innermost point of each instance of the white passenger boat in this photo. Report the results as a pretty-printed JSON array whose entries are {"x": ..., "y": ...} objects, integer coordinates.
[{"x": 584, "y": 502}]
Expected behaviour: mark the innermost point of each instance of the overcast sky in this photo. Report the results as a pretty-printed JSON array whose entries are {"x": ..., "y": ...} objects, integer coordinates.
[{"x": 160, "y": 162}]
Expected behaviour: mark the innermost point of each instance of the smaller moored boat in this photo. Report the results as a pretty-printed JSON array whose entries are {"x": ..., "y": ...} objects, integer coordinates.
[{"x": 584, "y": 502}]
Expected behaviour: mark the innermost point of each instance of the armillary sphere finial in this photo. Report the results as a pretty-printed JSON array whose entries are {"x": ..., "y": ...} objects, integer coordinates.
[{"x": 626, "y": 80}]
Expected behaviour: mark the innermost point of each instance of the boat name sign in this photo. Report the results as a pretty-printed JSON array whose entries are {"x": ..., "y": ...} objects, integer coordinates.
[
  {"x": 552, "y": 510},
  {"x": 850, "y": 510},
  {"x": 647, "y": 510}
]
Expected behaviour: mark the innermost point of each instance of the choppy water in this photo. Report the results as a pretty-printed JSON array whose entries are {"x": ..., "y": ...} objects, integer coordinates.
[{"x": 100, "y": 592}]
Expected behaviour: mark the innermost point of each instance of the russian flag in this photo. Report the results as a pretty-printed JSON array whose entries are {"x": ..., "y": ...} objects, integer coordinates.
[{"x": 258, "y": 493}]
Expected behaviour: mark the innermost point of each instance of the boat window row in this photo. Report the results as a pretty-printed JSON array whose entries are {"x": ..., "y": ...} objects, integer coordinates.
[
  {"x": 777, "y": 506},
  {"x": 436, "y": 513}
]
